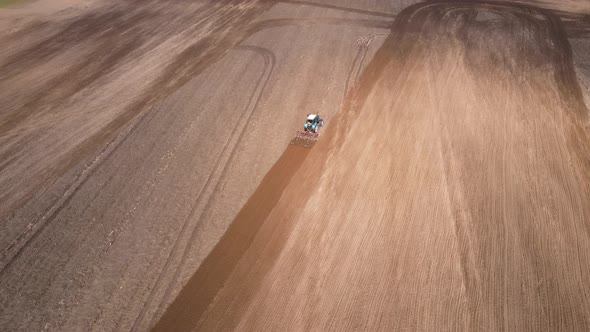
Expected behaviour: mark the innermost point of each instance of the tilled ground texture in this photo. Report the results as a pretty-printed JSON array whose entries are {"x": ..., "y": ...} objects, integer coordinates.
[
  {"x": 449, "y": 189},
  {"x": 450, "y": 193},
  {"x": 133, "y": 132}
]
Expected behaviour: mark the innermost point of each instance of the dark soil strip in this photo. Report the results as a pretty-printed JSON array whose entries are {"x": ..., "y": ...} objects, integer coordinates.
[{"x": 186, "y": 310}]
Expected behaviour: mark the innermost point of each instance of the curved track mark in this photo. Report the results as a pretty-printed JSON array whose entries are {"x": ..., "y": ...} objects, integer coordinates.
[
  {"x": 136, "y": 112},
  {"x": 346, "y": 9},
  {"x": 242, "y": 231},
  {"x": 269, "y": 61},
  {"x": 309, "y": 21},
  {"x": 267, "y": 24}
]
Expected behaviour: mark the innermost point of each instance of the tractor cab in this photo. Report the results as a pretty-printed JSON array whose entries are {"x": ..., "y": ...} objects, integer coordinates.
[{"x": 313, "y": 123}]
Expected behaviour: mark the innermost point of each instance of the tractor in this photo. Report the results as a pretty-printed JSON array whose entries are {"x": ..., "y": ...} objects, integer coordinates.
[
  {"x": 310, "y": 133},
  {"x": 313, "y": 123}
]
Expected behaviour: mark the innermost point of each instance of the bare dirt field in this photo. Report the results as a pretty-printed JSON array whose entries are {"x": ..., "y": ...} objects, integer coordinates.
[{"x": 148, "y": 181}]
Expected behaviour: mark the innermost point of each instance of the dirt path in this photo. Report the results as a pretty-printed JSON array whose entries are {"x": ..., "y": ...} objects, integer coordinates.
[{"x": 450, "y": 193}]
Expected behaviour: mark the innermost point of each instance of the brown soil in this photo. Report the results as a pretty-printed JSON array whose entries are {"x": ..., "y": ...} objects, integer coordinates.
[
  {"x": 146, "y": 169},
  {"x": 451, "y": 194}
]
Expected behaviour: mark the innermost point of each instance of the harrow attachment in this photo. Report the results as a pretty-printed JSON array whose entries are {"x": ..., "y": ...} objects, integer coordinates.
[
  {"x": 309, "y": 135},
  {"x": 305, "y": 138}
]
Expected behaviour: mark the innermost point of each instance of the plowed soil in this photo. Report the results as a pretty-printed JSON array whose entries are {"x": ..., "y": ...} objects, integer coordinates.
[
  {"x": 148, "y": 181},
  {"x": 451, "y": 194}
]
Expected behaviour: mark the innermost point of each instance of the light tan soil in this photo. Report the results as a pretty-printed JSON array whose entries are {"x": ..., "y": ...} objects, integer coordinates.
[
  {"x": 450, "y": 194},
  {"x": 448, "y": 190}
]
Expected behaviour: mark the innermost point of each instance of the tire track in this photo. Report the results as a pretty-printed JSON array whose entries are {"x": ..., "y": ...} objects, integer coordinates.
[
  {"x": 340, "y": 8},
  {"x": 363, "y": 44},
  {"x": 269, "y": 62},
  {"x": 88, "y": 28},
  {"x": 207, "y": 56},
  {"x": 499, "y": 294},
  {"x": 357, "y": 64},
  {"x": 35, "y": 227},
  {"x": 559, "y": 53},
  {"x": 263, "y": 25},
  {"x": 310, "y": 21},
  {"x": 17, "y": 248}
]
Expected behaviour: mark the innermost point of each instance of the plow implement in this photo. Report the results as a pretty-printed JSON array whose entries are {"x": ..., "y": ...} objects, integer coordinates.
[{"x": 305, "y": 138}]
